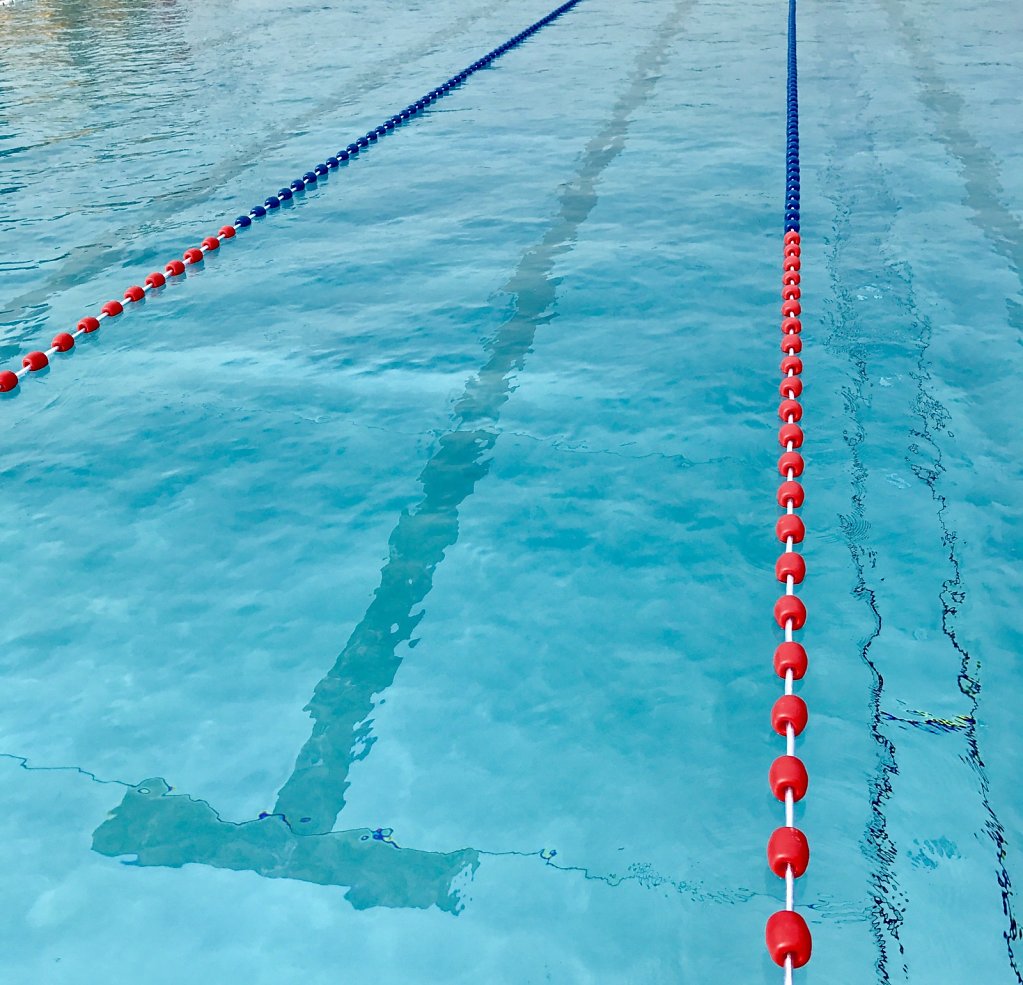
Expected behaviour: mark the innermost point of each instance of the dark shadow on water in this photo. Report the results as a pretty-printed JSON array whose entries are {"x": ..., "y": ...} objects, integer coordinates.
[{"x": 298, "y": 841}]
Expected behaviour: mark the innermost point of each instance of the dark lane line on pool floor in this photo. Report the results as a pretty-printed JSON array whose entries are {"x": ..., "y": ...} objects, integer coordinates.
[
  {"x": 641, "y": 873},
  {"x": 886, "y": 909},
  {"x": 985, "y": 195},
  {"x": 924, "y": 457},
  {"x": 298, "y": 839}
]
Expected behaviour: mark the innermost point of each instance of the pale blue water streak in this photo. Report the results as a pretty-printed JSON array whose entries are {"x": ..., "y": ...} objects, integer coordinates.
[{"x": 491, "y": 416}]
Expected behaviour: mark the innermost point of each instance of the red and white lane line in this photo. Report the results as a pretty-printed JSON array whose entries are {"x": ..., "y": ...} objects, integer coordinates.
[{"x": 64, "y": 341}]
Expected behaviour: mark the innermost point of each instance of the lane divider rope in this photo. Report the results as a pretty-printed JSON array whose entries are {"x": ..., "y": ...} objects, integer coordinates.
[
  {"x": 788, "y": 852},
  {"x": 65, "y": 341}
]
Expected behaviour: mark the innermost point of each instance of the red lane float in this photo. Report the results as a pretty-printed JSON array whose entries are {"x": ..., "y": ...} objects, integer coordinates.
[
  {"x": 35, "y": 361},
  {"x": 790, "y": 609},
  {"x": 790, "y": 434},
  {"x": 790, "y": 565},
  {"x": 790, "y": 493},
  {"x": 788, "y": 846},
  {"x": 789, "y": 709},
  {"x": 788, "y": 938},
  {"x": 790, "y": 460},
  {"x": 65, "y": 341},
  {"x": 788, "y": 851},
  {"x": 790, "y": 411},
  {"x": 790, "y": 526},
  {"x": 791, "y": 658},
  {"x": 788, "y": 778}
]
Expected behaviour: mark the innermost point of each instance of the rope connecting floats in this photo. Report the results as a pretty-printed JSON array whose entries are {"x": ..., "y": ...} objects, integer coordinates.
[
  {"x": 65, "y": 341},
  {"x": 788, "y": 853}
]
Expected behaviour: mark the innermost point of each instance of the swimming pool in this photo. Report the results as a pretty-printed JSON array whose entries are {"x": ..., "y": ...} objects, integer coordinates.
[{"x": 538, "y": 599}]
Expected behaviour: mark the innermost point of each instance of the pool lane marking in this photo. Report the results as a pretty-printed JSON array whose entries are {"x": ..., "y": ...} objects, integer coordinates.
[
  {"x": 298, "y": 838},
  {"x": 788, "y": 852},
  {"x": 39, "y": 359}
]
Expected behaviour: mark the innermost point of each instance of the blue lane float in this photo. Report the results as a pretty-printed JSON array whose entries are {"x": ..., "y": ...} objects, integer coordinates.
[{"x": 363, "y": 143}]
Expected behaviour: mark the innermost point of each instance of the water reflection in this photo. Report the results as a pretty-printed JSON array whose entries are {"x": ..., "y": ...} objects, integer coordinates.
[{"x": 108, "y": 64}]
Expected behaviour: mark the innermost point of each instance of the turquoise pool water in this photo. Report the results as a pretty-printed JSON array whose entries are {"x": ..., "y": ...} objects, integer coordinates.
[{"x": 438, "y": 509}]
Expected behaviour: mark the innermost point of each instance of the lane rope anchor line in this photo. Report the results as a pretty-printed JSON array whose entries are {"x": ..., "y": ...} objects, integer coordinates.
[
  {"x": 35, "y": 361},
  {"x": 788, "y": 852}
]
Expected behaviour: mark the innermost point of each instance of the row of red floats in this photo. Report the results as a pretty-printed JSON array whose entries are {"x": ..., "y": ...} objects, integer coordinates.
[
  {"x": 788, "y": 853},
  {"x": 64, "y": 341}
]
